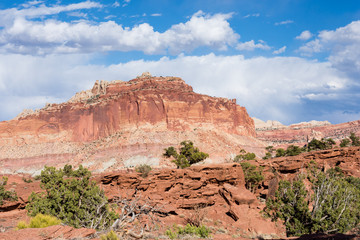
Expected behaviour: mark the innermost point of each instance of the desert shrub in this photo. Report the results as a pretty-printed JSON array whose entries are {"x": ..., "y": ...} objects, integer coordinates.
[
  {"x": 332, "y": 207},
  {"x": 269, "y": 152},
  {"x": 39, "y": 221},
  {"x": 27, "y": 180},
  {"x": 291, "y": 206},
  {"x": 178, "y": 232},
  {"x": 198, "y": 215},
  {"x": 354, "y": 139},
  {"x": 4, "y": 194},
  {"x": 253, "y": 175},
  {"x": 188, "y": 154},
  {"x": 293, "y": 150},
  {"x": 109, "y": 236},
  {"x": 244, "y": 156},
  {"x": 345, "y": 142},
  {"x": 73, "y": 198},
  {"x": 280, "y": 152},
  {"x": 322, "y": 144},
  {"x": 137, "y": 213},
  {"x": 144, "y": 169}
]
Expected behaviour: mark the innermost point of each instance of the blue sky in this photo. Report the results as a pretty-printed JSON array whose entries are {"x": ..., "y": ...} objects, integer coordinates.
[{"x": 285, "y": 60}]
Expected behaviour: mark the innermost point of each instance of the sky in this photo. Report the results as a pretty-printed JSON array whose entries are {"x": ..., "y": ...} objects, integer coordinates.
[{"x": 284, "y": 60}]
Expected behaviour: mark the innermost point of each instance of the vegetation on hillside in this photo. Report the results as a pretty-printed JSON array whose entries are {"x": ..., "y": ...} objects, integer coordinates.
[
  {"x": 188, "y": 154},
  {"x": 332, "y": 205},
  {"x": 178, "y": 232},
  {"x": 353, "y": 140},
  {"x": 244, "y": 156},
  {"x": 144, "y": 169},
  {"x": 313, "y": 145},
  {"x": 291, "y": 150},
  {"x": 4, "y": 194},
  {"x": 39, "y": 221},
  {"x": 253, "y": 176},
  {"x": 73, "y": 198},
  {"x": 322, "y": 144}
]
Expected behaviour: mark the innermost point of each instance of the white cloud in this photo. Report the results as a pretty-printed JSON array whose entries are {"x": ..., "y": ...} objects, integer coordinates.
[
  {"x": 31, "y": 3},
  {"x": 78, "y": 14},
  {"x": 250, "y": 46},
  {"x": 280, "y": 50},
  {"x": 284, "y": 22},
  {"x": 305, "y": 35},
  {"x": 116, "y": 4},
  {"x": 286, "y": 88},
  {"x": 252, "y": 15},
  {"x": 342, "y": 45},
  {"x": 156, "y": 15},
  {"x": 8, "y": 16},
  {"x": 50, "y": 36}
]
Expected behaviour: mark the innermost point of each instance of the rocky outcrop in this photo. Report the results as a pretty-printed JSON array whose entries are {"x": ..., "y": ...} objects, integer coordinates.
[
  {"x": 218, "y": 189},
  {"x": 302, "y": 133},
  {"x": 348, "y": 159},
  {"x": 117, "y": 123}
]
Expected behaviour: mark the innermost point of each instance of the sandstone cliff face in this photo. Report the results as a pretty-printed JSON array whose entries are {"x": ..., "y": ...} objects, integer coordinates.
[
  {"x": 137, "y": 118},
  {"x": 301, "y": 134}
]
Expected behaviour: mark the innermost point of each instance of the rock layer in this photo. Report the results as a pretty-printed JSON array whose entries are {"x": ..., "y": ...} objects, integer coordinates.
[
  {"x": 218, "y": 189},
  {"x": 301, "y": 134},
  {"x": 116, "y": 121}
]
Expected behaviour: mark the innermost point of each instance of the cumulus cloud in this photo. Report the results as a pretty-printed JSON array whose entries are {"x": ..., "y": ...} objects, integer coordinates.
[
  {"x": 25, "y": 36},
  {"x": 283, "y": 90},
  {"x": 251, "y": 45},
  {"x": 342, "y": 45},
  {"x": 280, "y": 50},
  {"x": 305, "y": 35}
]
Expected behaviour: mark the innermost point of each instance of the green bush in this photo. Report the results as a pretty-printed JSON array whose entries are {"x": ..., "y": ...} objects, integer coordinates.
[
  {"x": 345, "y": 142},
  {"x": 178, "y": 232},
  {"x": 188, "y": 155},
  {"x": 322, "y": 144},
  {"x": 291, "y": 150},
  {"x": 39, "y": 221},
  {"x": 353, "y": 140},
  {"x": 244, "y": 156},
  {"x": 4, "y": 194},
  {"x": 253, "y": 177},
  {"x": 280, "y": 152},
  {"x": 334, "y": 203},
  {"x": 73, "y": 198},
  {"x": 144, "y": 169},
  {"x": 27, "y": 180},
  {"x": 109, "y": 236}
]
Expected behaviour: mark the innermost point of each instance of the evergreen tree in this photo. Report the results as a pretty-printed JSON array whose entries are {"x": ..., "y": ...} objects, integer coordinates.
[{"x": 72, "y": 197}]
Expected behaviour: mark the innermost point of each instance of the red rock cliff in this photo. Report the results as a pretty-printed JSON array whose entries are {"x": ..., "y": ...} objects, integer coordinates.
[
  {"x": 121, "y": 105},
  {"x": 132, "y": 117}
]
